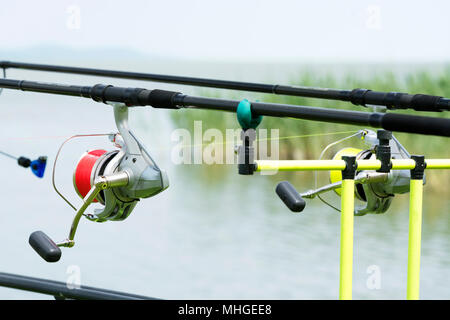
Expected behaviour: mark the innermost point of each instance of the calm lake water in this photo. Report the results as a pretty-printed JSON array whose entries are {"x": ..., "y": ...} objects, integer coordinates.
[{"x": 212, "y": 235}]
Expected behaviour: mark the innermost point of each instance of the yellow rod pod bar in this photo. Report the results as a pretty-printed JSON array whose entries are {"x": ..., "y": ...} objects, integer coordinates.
[
  {"x": 415, "y": 228},
  {"x": 312, "y": 165},
  {"x": 347, "y": 217}
]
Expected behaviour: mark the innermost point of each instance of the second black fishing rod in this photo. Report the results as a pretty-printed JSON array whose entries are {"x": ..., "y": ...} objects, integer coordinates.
[
  {"x": 175, "y": 100},
  {"x": 362, "y": 97}
]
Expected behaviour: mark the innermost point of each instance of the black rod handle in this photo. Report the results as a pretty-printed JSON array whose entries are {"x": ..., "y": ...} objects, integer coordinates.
[
  {"x": 399, "y": 100},
  {"x": 416, "y": 124},
  {"x": 171, "y": 99},
  {"x": 44, "y": 246},
  {"x": 290, "y": 196}
]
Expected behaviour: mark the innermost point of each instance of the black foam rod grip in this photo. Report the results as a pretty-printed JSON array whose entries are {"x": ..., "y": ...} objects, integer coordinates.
[
  {"x": 416, "y": 124},
  {"x": 45, "y": 246},
  {"x": 290, "y": 196}
]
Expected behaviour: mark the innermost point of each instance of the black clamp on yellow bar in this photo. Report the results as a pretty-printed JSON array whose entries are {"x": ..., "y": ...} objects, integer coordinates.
[
  {"x": 418, "y": 172},
  {"x": 383, "y": 150},
  {"x": 350, "y": 168}
]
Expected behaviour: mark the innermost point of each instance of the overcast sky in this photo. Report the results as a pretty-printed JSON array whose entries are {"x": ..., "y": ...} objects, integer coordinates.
[{"x": 413, "y": 30}]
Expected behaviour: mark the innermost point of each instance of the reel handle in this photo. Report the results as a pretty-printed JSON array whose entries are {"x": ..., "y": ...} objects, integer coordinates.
[
  {"x": 44, "y": 246},
  {"x": 289, "y": 195}
]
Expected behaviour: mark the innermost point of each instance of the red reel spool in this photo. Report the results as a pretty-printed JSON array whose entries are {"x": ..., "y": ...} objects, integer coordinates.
[{"x": 83, "y": 171}]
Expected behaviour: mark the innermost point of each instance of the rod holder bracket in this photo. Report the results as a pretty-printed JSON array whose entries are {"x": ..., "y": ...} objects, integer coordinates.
[
  {"x": 418, "y": 172},
  {"x": 383, "y": 150},
  {"x": 350, "y": 168}
]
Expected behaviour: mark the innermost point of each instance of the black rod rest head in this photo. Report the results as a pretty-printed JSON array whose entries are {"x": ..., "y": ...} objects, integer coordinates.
[
  {"x": 350, "y": 168},
  {"x": 418, "y": 172},
  {"x": 383, "y": 150}
]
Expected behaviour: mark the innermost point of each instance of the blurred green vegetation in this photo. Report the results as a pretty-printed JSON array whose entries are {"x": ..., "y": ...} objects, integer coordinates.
[{"x": 417, "y": 81}]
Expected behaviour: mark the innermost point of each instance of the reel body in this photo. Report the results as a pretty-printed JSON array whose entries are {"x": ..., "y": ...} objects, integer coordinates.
[
  {"x": 375, "y": 190},
  {"x": 116, "y": 179},
  {"x": 90, "y": 167},
  {"x": 145, "y": 180}
]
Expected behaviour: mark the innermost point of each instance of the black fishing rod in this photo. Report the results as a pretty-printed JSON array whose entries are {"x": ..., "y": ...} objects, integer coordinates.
[
  {"x": 175, "y": 100},
  {"x": 362, "y": 97},
  {"x": 61, "y": 290}
]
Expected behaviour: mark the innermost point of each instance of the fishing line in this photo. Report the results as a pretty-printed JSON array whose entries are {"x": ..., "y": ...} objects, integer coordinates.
[
  {"x": 8, "y": 155},
  {"x": 34, "y": 138},
  {"x": 306, "y": 136},
  {"x": 267, "y": 139},
  {"x": 359, "y": 132}
]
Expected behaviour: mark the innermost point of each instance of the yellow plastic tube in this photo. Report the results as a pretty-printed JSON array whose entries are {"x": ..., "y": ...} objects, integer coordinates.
[
  {"x": 415, "y": 235},
  {"x": 346, "y": 259},
  {"x": 310, "y": 165}
]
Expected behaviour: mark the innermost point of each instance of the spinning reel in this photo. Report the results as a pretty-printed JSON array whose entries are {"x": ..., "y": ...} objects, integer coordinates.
[
  {"x": 115, "y": 179},
  {"x": 374, "y": 189}
]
